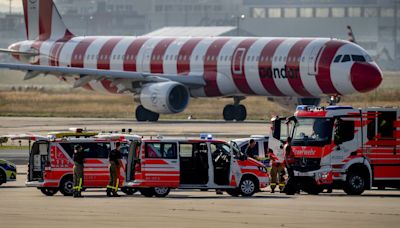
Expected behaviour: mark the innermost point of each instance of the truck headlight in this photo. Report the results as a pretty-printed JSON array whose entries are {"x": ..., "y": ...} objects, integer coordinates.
[{"x": 262, "y": 169}]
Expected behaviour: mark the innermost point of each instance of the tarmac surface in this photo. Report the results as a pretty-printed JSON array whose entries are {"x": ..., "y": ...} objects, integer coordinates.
[{"x": 28, "y": 207}]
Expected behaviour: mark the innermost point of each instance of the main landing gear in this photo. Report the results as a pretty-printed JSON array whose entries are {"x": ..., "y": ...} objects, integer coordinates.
[
  {"x": 235, "y": 111},
  {"x": 143, "y": 114}
]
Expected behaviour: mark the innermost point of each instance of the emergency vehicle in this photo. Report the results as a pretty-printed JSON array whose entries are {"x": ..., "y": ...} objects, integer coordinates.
[
  {"x": 261, "y": 145},
  {"x": 8, "y": 171},
  {"x": 157, "y": 165},
  {"x": 342, "y": 147},
  {"x": 50, "y": 167}
]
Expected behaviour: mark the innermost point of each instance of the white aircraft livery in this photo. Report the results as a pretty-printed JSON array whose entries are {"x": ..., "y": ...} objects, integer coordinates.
[{"x": 163, "y": 73}]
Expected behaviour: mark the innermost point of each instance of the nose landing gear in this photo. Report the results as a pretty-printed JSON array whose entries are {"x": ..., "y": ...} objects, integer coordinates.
[{"x": 235, "y": 111}]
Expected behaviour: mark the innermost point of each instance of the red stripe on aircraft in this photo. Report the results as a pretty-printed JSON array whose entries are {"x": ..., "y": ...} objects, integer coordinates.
[
  {"x": 292, "y": 71},
  {"x": 54, "y": 58},
  {"x": 104, "y": 61},
  {"x": 156, "y": 60},
  {"x": 265, "y": 67},
  {"x": 105, "y": 53},
  {"x": 183, "y": 61},
  {"x": 25, "y": 3},
  {"x": 323, "y": 77},
  {"x": 45, "y": 14},
  {"x": 238, "y": 66},
  {"x": 132, "y": 52},
  {"x": 78, "y": 55},
  {"x": 210, "y": 67}
]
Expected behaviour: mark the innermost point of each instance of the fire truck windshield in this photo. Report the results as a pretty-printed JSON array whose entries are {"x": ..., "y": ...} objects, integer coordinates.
[{"x": 312, "y": 132}]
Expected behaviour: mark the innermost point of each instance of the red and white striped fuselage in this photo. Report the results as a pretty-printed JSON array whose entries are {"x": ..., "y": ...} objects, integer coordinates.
[{"x": 230, "y": 66}]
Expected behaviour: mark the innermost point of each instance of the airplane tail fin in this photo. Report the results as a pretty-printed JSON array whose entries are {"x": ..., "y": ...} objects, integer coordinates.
[
  {"x": 43, "y": 21},
  {"x": 350, "y": 35}
]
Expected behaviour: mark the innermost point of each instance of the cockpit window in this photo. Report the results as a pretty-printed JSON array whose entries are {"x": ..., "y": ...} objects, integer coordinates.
[
  {"x": 358, "y": 58},
  {"x": 337, "y": 58},
  {"x": 368, "y": 58},
  {"x": 346, "y": 58}
]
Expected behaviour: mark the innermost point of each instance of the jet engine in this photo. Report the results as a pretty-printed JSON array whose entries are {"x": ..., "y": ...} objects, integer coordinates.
[{"x": 164, "y": 97}]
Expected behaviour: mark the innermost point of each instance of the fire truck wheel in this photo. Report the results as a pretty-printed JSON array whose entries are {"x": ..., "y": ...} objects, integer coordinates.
[
  {"x": 161, "y": 191},
  {"x": 248, "y": 186},
  {"x": 355, "y": 183},
  {"x": 129, "y": 191},
  {"x": 49, "y": 191},
  {"x": 2, "y": 177},
  {"x": 147, "y": 192},
  {"x": 233, "y": 192},
  {"x": 67, "y": 186}
]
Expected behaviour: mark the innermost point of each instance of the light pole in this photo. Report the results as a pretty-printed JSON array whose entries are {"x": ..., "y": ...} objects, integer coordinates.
[{"x": 238, "y": 18}]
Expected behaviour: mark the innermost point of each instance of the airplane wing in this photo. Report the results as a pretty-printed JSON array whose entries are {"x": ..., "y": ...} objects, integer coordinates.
[{"x": 192, "y": 81}]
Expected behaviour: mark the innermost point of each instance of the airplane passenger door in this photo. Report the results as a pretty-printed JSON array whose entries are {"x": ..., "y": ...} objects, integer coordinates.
[
  {"x": 313, "y": 60},
  {"x": 237, "y": 63}
]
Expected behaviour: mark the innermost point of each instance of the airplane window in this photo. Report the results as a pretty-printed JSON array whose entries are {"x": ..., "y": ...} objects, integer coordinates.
[
  {"x": 302, "y": 59},
  {"x": 346, "y": 58},
  {"x": 280, "y": 58},
  {"x": 284, "y": 59},
  {"x": 123, "y": 57},
  {"x": 226, "y": 58},
  {"x": 337, "y": 58},
  {"x": 257, "y": 58},
  {"x": 248, "y": 58},
  {"x": 252, "y": 58},
  {"x": 358, "y": 58}
]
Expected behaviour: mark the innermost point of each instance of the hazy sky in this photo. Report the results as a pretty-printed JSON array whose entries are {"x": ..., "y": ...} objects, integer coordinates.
[{"x": 16, "y": 4}]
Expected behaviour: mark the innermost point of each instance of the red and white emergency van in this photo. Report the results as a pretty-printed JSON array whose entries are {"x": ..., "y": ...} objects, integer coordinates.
[
  {"x": 50, "y": 166},
  {"x": 157, "y": 165},
  {"x": 341, "y": 147}
]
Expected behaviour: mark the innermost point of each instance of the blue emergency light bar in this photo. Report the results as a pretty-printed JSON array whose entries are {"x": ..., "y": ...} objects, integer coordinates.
[{"x": 206, "y": 136}]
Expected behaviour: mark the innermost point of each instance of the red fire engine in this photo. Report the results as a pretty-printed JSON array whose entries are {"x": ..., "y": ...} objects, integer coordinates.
[
  {"x": 341, "y": 147},
  {"x": 50, "y": 160},
  {"x": 156, "y": 166}
]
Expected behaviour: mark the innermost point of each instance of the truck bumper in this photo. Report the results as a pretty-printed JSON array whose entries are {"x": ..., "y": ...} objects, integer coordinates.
[{"x": 34, "y": 184}]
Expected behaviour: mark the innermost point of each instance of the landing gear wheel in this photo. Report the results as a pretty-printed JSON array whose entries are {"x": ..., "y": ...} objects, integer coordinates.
[
  {"x": 247, "y": 187},
  {"x": 143, "y": 114},
  {"x": 355, "y": 184},
  {"x": 67, "y": 186},
  {"x": 233, "y": 192},
  {"x": 49, "y": 191},
  {"x": 161, "y": 191},
  {"x": 128, "y": 191},
  {"x": 229, "y": 113},
  {"x": 240, "y": 113},
  {"x": 147, "y": 192},
  {"x": 235, "y": 112}
]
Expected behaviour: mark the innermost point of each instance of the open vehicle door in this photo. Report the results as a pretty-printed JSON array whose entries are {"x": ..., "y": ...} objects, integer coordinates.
[{"x": 281, "y": 129}]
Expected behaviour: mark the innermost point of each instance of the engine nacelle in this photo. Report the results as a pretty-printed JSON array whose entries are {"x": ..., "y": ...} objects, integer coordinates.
[{"x": 164, "y": 97}]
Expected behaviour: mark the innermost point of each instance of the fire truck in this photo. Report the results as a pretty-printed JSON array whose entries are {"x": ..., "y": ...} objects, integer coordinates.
[
  {"x": 341, "y": 147},
  {"x": 157, "y": 165},
  {"x": 50, "y": 167}
]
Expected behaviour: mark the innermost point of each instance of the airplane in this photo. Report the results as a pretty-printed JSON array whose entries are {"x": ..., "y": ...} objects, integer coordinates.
[{"x": 163, "y": 73}]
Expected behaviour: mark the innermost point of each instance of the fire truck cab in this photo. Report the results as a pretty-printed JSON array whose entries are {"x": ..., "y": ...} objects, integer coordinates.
[
  {"x": 341, "y": 147},
  {"x": 157, "y": 165},
  {"x": 50, "y": 167}
]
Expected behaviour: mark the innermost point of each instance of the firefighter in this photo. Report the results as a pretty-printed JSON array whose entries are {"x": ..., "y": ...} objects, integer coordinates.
[
  {"x": 277, "y": 172},
  {"x": 114, "y": 158},
  {"x": 291, "y": 186},
  {"x": 78, "y": 170}
]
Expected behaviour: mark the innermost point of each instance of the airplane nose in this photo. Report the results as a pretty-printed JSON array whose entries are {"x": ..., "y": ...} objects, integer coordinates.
[{"x": 365, "y": 76}]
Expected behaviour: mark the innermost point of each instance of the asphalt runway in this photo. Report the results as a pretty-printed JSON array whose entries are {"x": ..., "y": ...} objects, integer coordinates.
[{"x": 28, "y": 207}]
